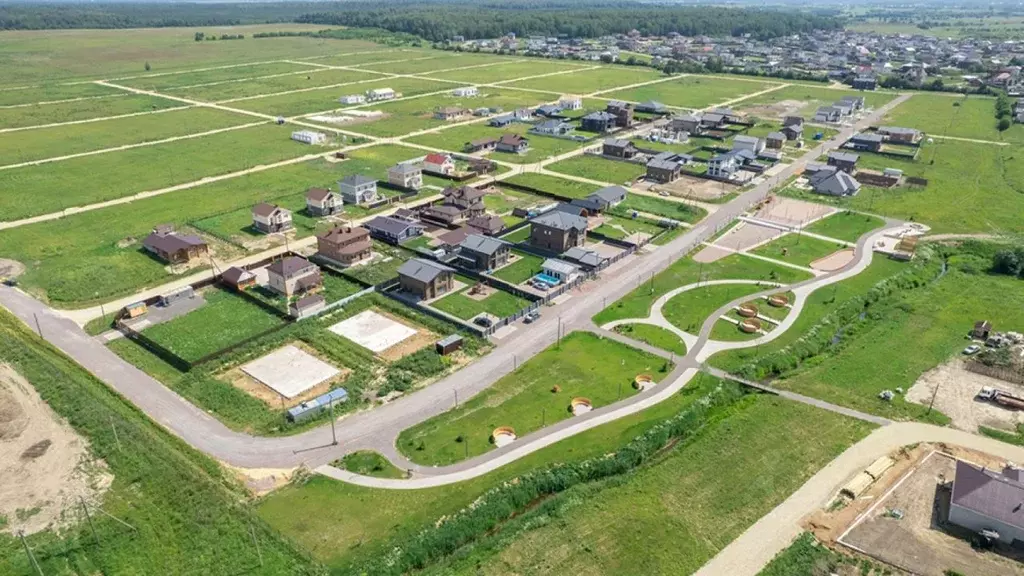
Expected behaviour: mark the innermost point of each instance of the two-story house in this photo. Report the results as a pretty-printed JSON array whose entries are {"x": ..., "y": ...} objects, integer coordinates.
[
  {"x": 344, "y": 245},
  {"x": 436, "y": 163},
  {"x": 322, "y": 202},
  {"x": 483, "y": 252},
  {"x": 357, "y": 189},
  {"x": 557, "y": 231},
  {"x": 293, "y": 276},
  {"x": 425, "y": 278},
  {"x": 271, "y": 218},
  {"x": 406, "y": 175}
]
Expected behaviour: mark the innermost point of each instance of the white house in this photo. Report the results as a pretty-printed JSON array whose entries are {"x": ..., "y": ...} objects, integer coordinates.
[
  {"x": 309, "y": 137},
  {"x": 744, "y": 142},
  {"x": 560, "y": 269},
  {"x": 271, "y": 218},
  {"x": 571, "y": 102},
  {"x": 439, "y": 164},
  {"x": 406, "y": 175},
  {"x": 380, "y": 94},
  {"x": 352, "y": 99},
  {"x": 466, "y": 92},
  {"x": 357, "y": 189}
]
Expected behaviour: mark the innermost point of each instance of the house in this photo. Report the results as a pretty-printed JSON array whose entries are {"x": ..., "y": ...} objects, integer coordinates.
[
  {"x": 437, "y": 163},
  {"x": 406, "y": 175},
  {"x": 378, "y": 94},
  {"x": 501, "y": 121},
  {"x": 687, "y": 123},
  {"x": 487, "y": 225},
  {"x": 984, "y": 500},
  {"x": 744, "y": 142},
  {"x": 352, "y": 99},
  {"x": 865, "y": 141},
  {"x": 828, "y": 115},
  {"x": 513, "y": 143},
  {"x": 793, "y": 131},
  {"x": 844, "y": 161},
  {"x": 793, "y": 121},
  {"x": 982, "y": 329},
  {"x": 238, "y": 278},
  {"x": 571, "y": 102},
  {"x": 310, "y": 137},
  {"x": 425, "y": 278},
  {"x": 466, "y": 92},
  {"x": 393, "y": 230},
  {"x": 483, "y": 252},
  {"x": 322, "y": 202},
  {"x": 724, "y": 165},
  {"x": 728, "y": 115},
  {"x": 601, "y": 200},
  {"x": 899, "y": 134},
  {"x": 712, "y": 121},
  {"x": 309, "y": 305},
  {"x": 652, "y": 107},
  {"x": 666, "y": 167},
  {"x": 622, "y": 111},
  {"x": 619, "y": 148},
  {"x": 775, "y": 140},
  {"x": 560, "y": 269},
  {"x": 358, "y": 189},
  {"x": 584, "y": 257},
  {"x": 597, "y": 122},
  {"x": 271, "y": 218},
  {"x": 294, "y": 275},
  {"x": 344, "y": 245},
  {"x": 459, "y": 204},
  {"x": 865, "y": 83},
  {"x": 548, "y": 111},
  {"x": 480, "y": 144},
  {"x": 552, "y": 128},
  {"x": 450, "y": 113},
  {"x": 405, "y": 214},
  {"x": 833, "y": 182},
  {"x": 854, "y": 102},
  {"x": 169, "y": 246},
  {"x": 557, "y": 231}
]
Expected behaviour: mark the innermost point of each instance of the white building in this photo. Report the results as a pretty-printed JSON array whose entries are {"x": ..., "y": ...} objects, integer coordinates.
[
  {"x": 309, "y": 137},
  {"x": 406, "y": 175},
  {"x": 352, "y": 99},
  {"x": 752, "y": 143},
  {"x": 466, "y": 92},
  {"x": 439, "y": 164},
  {"x": 571, "y": 102},
  {"x": 560, "y": 269},
  {"x": 380, "y": 94}
]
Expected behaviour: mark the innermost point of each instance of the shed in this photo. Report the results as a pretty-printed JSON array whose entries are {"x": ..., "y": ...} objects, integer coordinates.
[
  {"x": 185, "y": 293},
  {"x": 238, "y": 278},
  {"x": 135, "y": 310},
  {"x": 448, "y": 344},
  {"x": 981, "y": 331},
  {"x": 309, "y": 409}
]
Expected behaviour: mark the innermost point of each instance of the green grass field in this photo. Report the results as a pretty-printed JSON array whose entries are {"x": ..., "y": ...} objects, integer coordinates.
[
  {"x": 437, "y": 60},
  {"x": 655, "y": 336},
  {"x": 688, "y": 310},
  {"x": 500, "y": 304},
  {"x": 56, "y": 92},
  {"x": 524, "y": 399},
  {"x": 619, "y": 227},
  {"x": 727, "y": 331},
  {"x": 306, "y": 79},
  {"x": 600, "y": 169},
  {"x": 326, "y": 99},
  {"x": 507, "y": 199},
  {"x": 797, "y": 249},
  {"x": 812, "y": 97},
  {"x": 588, "y": 81},
  {"x": 847, "y": 225},
  {"x": 45, "y": 114},
  {"x": 370, "y": 463},
  {"x": 941, "y": 115},
  {"x": 691, "y": 91},
  {"x": 526, "y": 267},
  {"x": 506, "y": 72},
  {"x": 554, "y": 185},
  {"x": 608, "y": 524},
  {"x": 159, "y": 81},
  {"x": 679, "y": 211}
]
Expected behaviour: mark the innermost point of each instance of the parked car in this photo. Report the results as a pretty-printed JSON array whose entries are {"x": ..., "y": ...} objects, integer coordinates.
[
  {"x": 662, "y": 193},
  {"x": 972, "y": 349},
  {"x": 531, "y": 317},
  {"x": 483, "y": 322},
  {"x": 542, "y": 286}
]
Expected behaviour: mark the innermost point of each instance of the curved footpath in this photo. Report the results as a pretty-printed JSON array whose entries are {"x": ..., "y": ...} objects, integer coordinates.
[{"x": 376, "y": 429}]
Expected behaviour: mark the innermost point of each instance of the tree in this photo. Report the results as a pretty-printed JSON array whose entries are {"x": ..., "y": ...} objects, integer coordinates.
[
  {"x": 148, "y": 67},
  {"x": 1008, "y": 261},
  {"x": 199, "y": 36}
]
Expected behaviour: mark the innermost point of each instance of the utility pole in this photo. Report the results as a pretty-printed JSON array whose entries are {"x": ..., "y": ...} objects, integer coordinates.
[
  {"x": 255, "y": 542},
  {"x": 116, "y": 439},
  {"x": 334, "y": 435},
  {"x": 456, "y": 392},
  {"x": 31, "y": 558},
  {"x": 89, "y": 518},
  {"x": 38, "y": 327}
]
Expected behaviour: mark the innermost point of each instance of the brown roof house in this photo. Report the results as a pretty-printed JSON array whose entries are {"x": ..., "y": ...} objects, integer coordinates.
[
  {"x": 425, "y": 278},
  {"x": 622, "y": 111},
  {"x": 480, "y": 144},
  {"x": 460, "y": 204},
  {"x": 487, "y": 225},
  {"x": 293, "y": 276},
  {"x": 344, "y": 245},
  {"x": 271, "y": 218},
  {"x": 322, "y": 202},
  {"x": 989, "y": 501},
  {"x": 174, "y": 248},
  {"x": 513, "y": 143},
  {"x": 557, "y": 231},
  {"x": 238, "y": 278}
]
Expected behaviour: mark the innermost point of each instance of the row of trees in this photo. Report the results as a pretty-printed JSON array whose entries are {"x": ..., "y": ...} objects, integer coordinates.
[
  {"x": 200, "y": 36},
  {"x": 1004, "y": 112}
]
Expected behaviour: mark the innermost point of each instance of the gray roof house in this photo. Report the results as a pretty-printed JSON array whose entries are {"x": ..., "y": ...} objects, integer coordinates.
[
  {"x": 484, "y": 252},
  {"x": 393, "y": 230},
  {"x": 845, "y": 161},
  {"x": 422, "y": 269},
  {"x": 834, "y": 183},
  {"x": 357, "y": 189},
  {"x": 602, "y": 199},
  {"x": 584, "y": 257},
  {"x": 651, "y": 107},
  {"x": 985, "y": 499}
]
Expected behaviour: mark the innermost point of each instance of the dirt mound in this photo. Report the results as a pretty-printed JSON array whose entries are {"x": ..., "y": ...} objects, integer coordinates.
[
  {"x": 12, "y": 418},
  {"x": 11, "y": 268}
]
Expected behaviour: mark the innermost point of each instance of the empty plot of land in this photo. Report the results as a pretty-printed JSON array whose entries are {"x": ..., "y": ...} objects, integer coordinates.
[
  {"x": 691, "y": 91},
  {"x": 742, "y": 237},
  {"x": 165, "y": 81},
  {"x": 587, "y": 81},
  {"x": 803, "y": 100},
  {"x": 438, "y": 61},
  {"x": 373, "y": 331},
  {"x": 953, "y": 390},
  {"x": 55, "y": 92},
  {"x": 290, "y": 371},
  {"x": 82, "y": 110},
  {"x": 505, "y": 72},
  {"x": 244, "y": 89},
  {"x": 790, "y": 212},
  {"x": 967, "y": 117},
  {"x": 327, "y": 98},
  {"x": 382, "y": 55}
]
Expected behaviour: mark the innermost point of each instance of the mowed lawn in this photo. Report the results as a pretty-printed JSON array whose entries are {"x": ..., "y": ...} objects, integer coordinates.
[
  {"x": 808, "y": 98},
  {"x": 703, "y": 493},
  {"x": 43, "y": 114},
  {"x": 307, "y": 79},
  {"x": 691, "y": 91},
  {"x": 688, "y": 310},
  {"x": 797, "y": 249},
  {"x": 655, "y": 336},
  {"x": 588, "y": 81},
  {"x": 461, "y": 305},
  {"x": 554, "y": 185},
  {"x": 56, "y": 92},
  {"x": 947, "y": 115},
  {"x": 525, "y": 399},
  {"x": 505, "y": 71},
  {"x": 326, "y": 99},
  {"x": 846, "y": 225},
  {"x": 32, "y": 190},
  {"x": 30, "y": 145},
  {"x": 224, "y": 320},
  {"x": 526, "y": 267},
  {"x": 597, "y": 168}
]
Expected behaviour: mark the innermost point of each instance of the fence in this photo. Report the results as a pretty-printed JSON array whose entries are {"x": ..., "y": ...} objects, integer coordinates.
[{"x": 1005, "y": 374}]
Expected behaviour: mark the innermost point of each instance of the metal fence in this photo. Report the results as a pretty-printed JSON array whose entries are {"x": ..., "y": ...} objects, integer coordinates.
[{"x": 1006, "y": 374}]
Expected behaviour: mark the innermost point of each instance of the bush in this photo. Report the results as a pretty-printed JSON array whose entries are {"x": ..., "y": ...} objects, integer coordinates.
[{"x": 1004, "y": 124}]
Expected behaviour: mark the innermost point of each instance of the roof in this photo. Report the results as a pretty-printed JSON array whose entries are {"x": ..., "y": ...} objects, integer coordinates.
[
  {"x": 794, "y": 128},
  {"x": 235, "y": 275},
  {"x": 487, "y": 223},
  {"x": 867, "y": 137},
  {"x": 171, "y": 242},
  {"x": 982, "y": 324},
  {"x": 289, "y": 266},
  {"x": 897, "y": 130},
  {"x": 422, "y": 270},
  {"x": 336, "y": 395},
  {"x": 483, "y": 141},
  {"x": 617, "y": 104},
  {"x": 663, "y": 163},
  {"x": 837, "y": 183},
  {"x": 550, "y": 125},
  {"x": 746, "y": 139},
  {"x": 651, "y": 105},
  {"x": 506, "y": 119},
  {"x": 483, "y": 244},
  {"x": 308, "y": 302},
  {"x": 583, "y": 256},
  {"x": 341, "y": 234},
  {"x": 436, "y": 158},
  {"x": 687, "y": 118},
  {"x": 357, "y": 180},
  {"x": 602, "y": 116},
  {"x": 610, "y": 194},
  {"x": 712, "y": 118},
  {"x": 843, "y": 156},
  {"x": 390, "y": 225},
  {"x": 560, "y": 266},
  {"x": 776, "y": 136},
  {"x": 263, "y": 209},
  {"x": 511, "y": 139},
  {"x": 405, "y": 168},
  {"x": 561, "y": 220},
  {"x": 455, "y": 237},
  {"x": 617, "y": 142},
  {"x": 989, "y": 493},
  {"x": 317, "y": 194},
  {"x": 449, "y": 340}
]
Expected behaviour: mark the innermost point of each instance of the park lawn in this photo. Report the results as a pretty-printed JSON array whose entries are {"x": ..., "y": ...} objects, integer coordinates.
[
  {"x": 797, "y": 249},
  {"x": 524, "y": 399},
  {"x": 691, "y": 91},
  {"x": 326, "y": 99},
  {"x": 637, "y": 304},
  {"x": 438, "y": 61},
  {"x": 688, "y": 310},
  {"x": 56, "y": 92},
  {"x": 160, "y": 81},
  {"x": 554, "y": 185},
  {"x": 247, "y": 88},
  {"x": 43, "y": 114},
  {"x": 971, "y": 188},
  {"x": 185, "y": 514},
  {"x": 679, "y": 211},
  {"x": 526, "y": 267},
  {"x": 586, "y": 82},
  {"x": 730, "y": 332},
  {"x": 58, "y": 141},
  {"x": 846, "y": 225},
  {"x": 224, "y": 320},
  {"x": 363, "y": 523},
  {"x": 597, "y": 168},
  {"x": 28, "y": 191},
  {"x": 608, "y": 524},
  {"x": 369, "y": 463},
  {"x": 813, "y": 97},
  {"x": 500, "y": 304},
  {"x": 504, "y": 72},
  {"x": 963, "y": 117},
  {"x": 776, "y": 313},
  {"x": 655, "y": 336}
]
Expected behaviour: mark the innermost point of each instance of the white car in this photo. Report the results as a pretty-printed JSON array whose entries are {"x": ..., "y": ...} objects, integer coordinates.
[{"x": 972, "y": 349}]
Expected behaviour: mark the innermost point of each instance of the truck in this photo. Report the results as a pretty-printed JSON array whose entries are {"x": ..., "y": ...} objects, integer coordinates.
[{"x": 1002, "y": 398}]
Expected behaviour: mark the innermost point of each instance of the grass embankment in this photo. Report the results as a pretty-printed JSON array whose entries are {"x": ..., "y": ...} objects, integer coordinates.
[
  {"x": 808, "y": 557},
  {"x": 369, "y": 463},
  {"x": 188, "y": 516},
  {"x": 583, "y": 364},
  {"x": 846, "y": 225}
]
